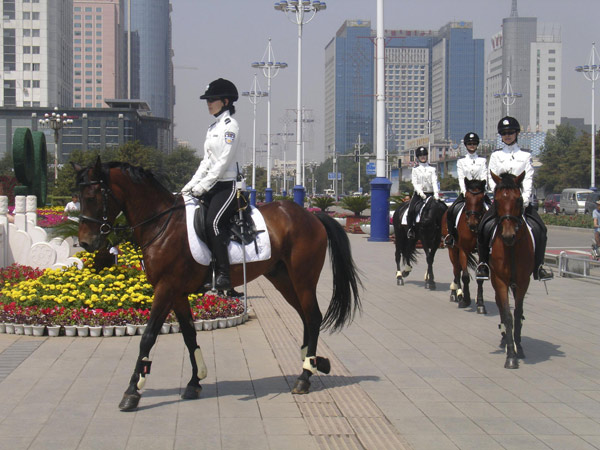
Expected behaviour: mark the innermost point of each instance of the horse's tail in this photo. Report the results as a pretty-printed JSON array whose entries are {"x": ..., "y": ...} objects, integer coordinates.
[
  {"x": 345, "y": 299},
  {"x": 471, "y": 261}
]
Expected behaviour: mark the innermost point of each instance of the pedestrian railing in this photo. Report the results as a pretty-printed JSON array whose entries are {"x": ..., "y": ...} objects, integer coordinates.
[{"x": 578, "y": 266}]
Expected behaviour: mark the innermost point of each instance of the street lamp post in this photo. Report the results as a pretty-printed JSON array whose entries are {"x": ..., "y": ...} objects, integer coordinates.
[
  {"x": 591, "y": 71},
  {"x": 270, "y": 69},
  {"x": 508, "y": 96},
  {"x": 55, "y": 121},
  {"x": 299, "y": 12},
  {"x": 284, "y": 136},
  {"x": 254, "y": 95}
]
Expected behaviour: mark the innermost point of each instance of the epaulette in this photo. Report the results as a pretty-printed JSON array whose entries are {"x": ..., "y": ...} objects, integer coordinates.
[{"x": 227, "y": 120}]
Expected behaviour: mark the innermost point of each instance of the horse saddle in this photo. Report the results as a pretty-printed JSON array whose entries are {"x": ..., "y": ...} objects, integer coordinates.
[{"x": 241, "y": 230}]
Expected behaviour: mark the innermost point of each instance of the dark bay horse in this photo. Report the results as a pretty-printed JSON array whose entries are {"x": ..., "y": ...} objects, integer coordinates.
[
  {"x": 428, "y": 231},
  {"x": 299, "y": 241},
  {"x": 462, "y": 252},
  {"x": 511, "y": 261}
]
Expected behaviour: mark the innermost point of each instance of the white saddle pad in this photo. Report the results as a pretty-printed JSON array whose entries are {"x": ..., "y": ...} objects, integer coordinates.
[{"x": 201, "y": 252}]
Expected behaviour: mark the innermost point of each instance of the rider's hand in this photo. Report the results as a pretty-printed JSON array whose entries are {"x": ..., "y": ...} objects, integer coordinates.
[
  {"x": 198, "y": 191},
  {"x": 435, "y": 196},
  {"x": 422, "y": 195}
]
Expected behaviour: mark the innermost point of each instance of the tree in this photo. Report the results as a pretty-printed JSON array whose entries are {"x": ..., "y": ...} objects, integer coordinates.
[
  {"x": 179, "y": 167},
  {"x": 356, "y": 204},
  {"x": 449, "y": 183}
]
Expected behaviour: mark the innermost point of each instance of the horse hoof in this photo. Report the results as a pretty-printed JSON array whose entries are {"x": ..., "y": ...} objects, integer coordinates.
[
  {"x": 404, "y": 274},
  {"x": 130, "y": 402},
  {"x": 430, "y": 285},
  {"x": 323, "y": 365},
  {"x": 481, "y": 310},
  {"x": 399, "y": 281},
  {"x": 464, "y": 303},
  {"x": 511, "y": 363},
  {"x": 301, "y": 387},
  {"x": 191, "y": 392},
  {"x": 453, "y": 297}
]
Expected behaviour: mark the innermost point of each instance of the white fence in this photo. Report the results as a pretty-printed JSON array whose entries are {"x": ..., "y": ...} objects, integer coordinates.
[
  {"x": 578, "y": 266},
  {"x": 23, "y": 242}
]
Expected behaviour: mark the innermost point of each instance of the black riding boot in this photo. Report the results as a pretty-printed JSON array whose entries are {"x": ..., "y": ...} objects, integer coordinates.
[
  {"x": 222, "y": 279},
  {"x": 482, "y": 272},
  {"x": 411, "y": 216},
  {"x": 450, "y": 238}
]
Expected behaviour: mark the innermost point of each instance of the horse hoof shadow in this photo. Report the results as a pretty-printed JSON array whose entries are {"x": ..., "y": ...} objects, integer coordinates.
[{"x": 464, "y": 303}]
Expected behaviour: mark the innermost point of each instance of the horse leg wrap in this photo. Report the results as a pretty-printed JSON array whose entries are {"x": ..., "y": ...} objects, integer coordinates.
[
  {"x": 202, "y": 370},
  {"x": 145, "y": 365},
  {"x": 303, "y": 352},
  {"x": 407, "y": 268},
  {"x": 453, "y": 286},
  {"x": 310, "y": 364},
  {"x": 459, "y": 292},
  {"x": 398, "y": 274}
]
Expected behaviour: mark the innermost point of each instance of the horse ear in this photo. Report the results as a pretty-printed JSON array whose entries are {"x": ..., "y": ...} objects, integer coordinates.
[
  {"x": 520, "y": 178},
  {"x": 98, "y": 168},
  {"x": 495, "y": 177}
]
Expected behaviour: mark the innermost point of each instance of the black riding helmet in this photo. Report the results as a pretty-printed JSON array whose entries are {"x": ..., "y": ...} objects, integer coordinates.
[
  {"x": 221, "y": 88},
  {"x": 507, "y": 124},
  {"x": 471, "y": 138},
  {"x": 421, "y": 151}
]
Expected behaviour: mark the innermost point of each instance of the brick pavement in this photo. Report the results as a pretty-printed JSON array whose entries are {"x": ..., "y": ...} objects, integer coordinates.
[{"x": 412, "y": 371}]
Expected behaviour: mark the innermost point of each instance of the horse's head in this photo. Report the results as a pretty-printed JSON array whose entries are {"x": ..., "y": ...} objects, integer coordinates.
[
  {"x": 99, "y": 207},
  {"x": 474, "y": 197},
  {"x": 509, "y": 205}
]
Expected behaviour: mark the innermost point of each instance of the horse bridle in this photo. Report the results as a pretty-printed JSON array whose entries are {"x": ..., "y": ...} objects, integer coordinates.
[
  {"x": 470, "y": 212},
  {"x": 106, "y": 227}
]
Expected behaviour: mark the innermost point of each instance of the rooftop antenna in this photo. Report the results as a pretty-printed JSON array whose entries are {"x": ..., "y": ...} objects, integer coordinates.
[{"x": 513, "y": 9}]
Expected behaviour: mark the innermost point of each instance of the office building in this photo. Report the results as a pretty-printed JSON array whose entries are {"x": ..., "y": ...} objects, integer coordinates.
[
  {"x": 529, "y": 55},
  {"x": 99, "y": 60},
  {"x": 37, "y": 43}
]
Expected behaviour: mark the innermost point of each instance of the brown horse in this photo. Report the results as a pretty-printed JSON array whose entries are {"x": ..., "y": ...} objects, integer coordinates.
[
  {"x": 299, "y": 241},
  {"x": 511, "y": 261},
  {"x": 462, "y": 252}
]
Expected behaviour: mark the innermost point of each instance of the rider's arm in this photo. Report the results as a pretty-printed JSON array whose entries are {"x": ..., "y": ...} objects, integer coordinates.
[
  {"x": 460, "y": 173},
  {"x": 415, "y": 181},
  {"x": 527, "y": 181}
]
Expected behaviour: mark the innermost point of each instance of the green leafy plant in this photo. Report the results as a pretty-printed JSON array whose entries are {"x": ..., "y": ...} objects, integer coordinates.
[
  {"x": 356, "y": 204},
  {"x": 322, "y": 202}
]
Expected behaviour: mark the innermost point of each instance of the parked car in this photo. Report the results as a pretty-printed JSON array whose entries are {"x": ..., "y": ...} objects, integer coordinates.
[
  {"x": 448, "y": 197},
  {"x": 552, "y": 203},
  {"x": 572, "y": 200},
  {"x": 590, "y": 202}
]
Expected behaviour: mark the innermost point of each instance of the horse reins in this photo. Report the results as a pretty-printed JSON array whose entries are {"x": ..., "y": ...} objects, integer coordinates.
[{"x": 106, "y": 227}]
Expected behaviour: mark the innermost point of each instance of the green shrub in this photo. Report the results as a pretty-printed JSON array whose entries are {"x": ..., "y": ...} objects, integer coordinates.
[
  {"x": 322, "y": 202},
  {"x": 577, "y": 220},
  {"x": 356, "y": 204}
]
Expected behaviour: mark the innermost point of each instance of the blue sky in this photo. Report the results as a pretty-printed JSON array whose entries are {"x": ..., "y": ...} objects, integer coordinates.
[{"x": 221, "y": 38}]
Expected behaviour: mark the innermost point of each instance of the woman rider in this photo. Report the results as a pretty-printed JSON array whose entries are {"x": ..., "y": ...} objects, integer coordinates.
[{"x": 425, "y": 182}]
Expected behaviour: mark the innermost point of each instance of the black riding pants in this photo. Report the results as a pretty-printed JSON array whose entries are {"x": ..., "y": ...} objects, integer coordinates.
[
  {"x": 415, "y": 205},
  {"x": 221, "y": 206},
  {"x": 451, "y": 214}
]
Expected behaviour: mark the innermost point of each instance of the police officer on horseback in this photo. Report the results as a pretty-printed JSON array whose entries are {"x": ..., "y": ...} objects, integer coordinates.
[
  {"x": 510, "y": 158},
  {"x": 425, "y": 181},
  {"x": 215, "y": 180},
  {"x": 471, "y": 167}
]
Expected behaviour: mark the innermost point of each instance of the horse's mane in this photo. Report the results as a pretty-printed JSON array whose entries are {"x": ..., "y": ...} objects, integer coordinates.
[
  {"x": 137, "y": 174},
  {"x": 507, "y": 181}
]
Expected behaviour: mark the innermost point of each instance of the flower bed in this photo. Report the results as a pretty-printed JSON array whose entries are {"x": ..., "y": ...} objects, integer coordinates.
[
  {"x": 48, "y": 217},
  {"x": 576, "y": 220},
  {"x": 113, "y": 296}
]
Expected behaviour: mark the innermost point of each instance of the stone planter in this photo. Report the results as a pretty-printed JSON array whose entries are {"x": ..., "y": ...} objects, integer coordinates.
[
  {"x": 131, "y": 329},
  {"x": 365, "y": 228},
  {"x": 341, "y": 220},
  {"x": 207, "y": 325},
  {"x": 95, "y": 331},
  {"x": 239, "y": 319},
  {"x": 231, "y": 322},
  {"x": 165, "y": 329},
  {"x": 70, "y": 330},
  {"x": 222, "y": 322},
  {"x": 10, "y": 328},
  {"x": 141, "y": 329},
  {"x": 38, "y": 330},
  {"x": 2, "y": 327},
  {"x": 120, "y": 330},
  {"x": 28, "y": 330},
  {"x": 108, "y": 330},
  {"x": 53, "y": 330},
  {"x": 198, "y": 325},
  {"x": 19, "y": 328},
  {"x": 83, "y": 330},
  {"x": 175, "y": 327}
]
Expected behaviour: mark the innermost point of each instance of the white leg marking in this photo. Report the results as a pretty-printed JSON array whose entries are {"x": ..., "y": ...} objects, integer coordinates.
[{"x": 202, "y": 370}]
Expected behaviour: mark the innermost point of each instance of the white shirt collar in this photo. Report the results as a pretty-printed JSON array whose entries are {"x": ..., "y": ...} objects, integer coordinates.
[{"x": 510, "y": 148}]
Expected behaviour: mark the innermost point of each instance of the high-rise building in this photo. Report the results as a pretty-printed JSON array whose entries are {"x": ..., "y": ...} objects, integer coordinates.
[
  {"x": 349, "y": 79},
  {"x": 442, "y": 70},
  {"x": 37, "y": 43},
  {"x": 529, "y": 56},
  {"x": 99, "y": 69},
  {"x": 151, "y": 53}
]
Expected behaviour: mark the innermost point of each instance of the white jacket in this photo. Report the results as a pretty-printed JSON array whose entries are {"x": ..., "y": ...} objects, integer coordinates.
[
  {"x": 513, "y": 160},
  {"x": 219, "y": 163},
  {"x": 471, "y": 167},
  {"x": 424, "y": 179}
]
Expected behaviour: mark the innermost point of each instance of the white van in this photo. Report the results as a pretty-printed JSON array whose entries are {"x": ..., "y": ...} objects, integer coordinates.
[{"x": 572, "y": 200}]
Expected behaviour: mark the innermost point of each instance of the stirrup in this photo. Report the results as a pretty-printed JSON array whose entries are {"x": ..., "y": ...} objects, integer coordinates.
[
  {"x": 544, "y": 275},
  {"x": 482, "y": 272},
  {"x": 449, "y": 240}
]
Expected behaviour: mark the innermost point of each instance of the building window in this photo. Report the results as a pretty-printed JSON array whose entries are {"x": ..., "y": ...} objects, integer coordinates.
[
  {"x": 35, "y": 66},
  {"x": 26, "y": 66},
  {"x": 36, "y": 83},
  {"x": 35, "y": 49},
  {"x": 26, "y": 49},
  {"x": 26, "y": 15},
  {"x": 26, "y": 32},
  {"x": 35, "y": 33},
  {"x": 26, "y": 83},
  {"x": 551, "y": 69},
  {"x": 552, "y": 51},
  {"x": 35, "y": 15}
]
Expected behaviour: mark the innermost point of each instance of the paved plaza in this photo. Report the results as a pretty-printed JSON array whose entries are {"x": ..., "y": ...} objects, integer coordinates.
[{"x": 412, "y": 372}]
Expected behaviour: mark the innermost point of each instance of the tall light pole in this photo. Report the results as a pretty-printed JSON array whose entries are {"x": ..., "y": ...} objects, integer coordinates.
[
  {"x": 299, "y": 12},
  {"x": 591, "y": 71},
  {"x": 270, "y": 69},
  {"x": 55, "y": 121},
  {"x": 284, "y": 136},
  {"x": 508, "y": 96},
  {"x": 254, "y": 96}
]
